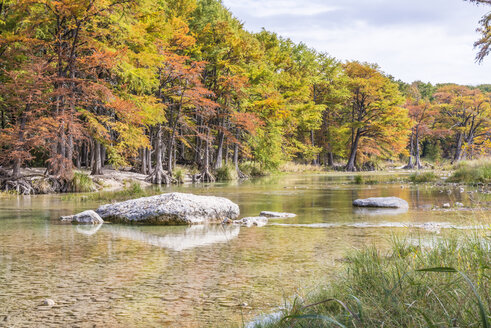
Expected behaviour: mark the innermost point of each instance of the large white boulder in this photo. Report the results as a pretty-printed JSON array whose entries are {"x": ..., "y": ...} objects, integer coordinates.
[
  {"x": 171, "y": 209},
  {"x": 384, "y": 202}
]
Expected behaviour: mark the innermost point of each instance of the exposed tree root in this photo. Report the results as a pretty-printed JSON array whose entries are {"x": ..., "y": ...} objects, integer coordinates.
[
  {"x": 159, "y": 176},
  {"x": 241, "y": 175}
]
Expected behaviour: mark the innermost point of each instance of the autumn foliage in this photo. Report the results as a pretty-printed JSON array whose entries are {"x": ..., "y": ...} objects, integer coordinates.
[{"x": 150, "y": 84}]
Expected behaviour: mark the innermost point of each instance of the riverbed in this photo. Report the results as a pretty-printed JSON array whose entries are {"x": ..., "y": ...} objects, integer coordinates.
[{"x": 199, "y": 276}]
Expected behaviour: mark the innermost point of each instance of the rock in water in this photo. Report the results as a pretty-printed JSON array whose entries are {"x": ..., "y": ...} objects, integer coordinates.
[
  {"x": 171, "y": 209},
  {"x": 87, "y": 217},
  {"x": 259, "y": 221},
  {"x": 48, "y": 302},
  {"x": 277, "y": 215},
  {"x": 384, "y": 202}
]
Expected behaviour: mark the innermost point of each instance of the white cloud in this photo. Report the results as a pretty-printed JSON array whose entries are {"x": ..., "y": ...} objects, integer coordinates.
[
  {"x": 267, "y": 8},
  {"x": 436, "y": 50}
]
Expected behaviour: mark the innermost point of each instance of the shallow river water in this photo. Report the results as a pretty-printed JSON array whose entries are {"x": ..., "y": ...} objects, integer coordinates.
[{"x": 199, "y": 276}]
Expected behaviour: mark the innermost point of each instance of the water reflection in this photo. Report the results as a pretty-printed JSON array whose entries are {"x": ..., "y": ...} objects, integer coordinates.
[
  {"x": 380, "y": 211},
  {"x": 88, "y": 230},
  {"x": 141, "y": 276},
  {"x": 177, "y": 238}
]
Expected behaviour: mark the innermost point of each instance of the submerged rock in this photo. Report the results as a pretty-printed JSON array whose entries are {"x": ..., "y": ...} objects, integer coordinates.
[
  {"x": 277, "y": 215},
  {"x": 258, "y": 221},
  {"x": 86, "y": 217},
  {"x": 383, "y": 202},
  {"x": 171, "y": 209}
]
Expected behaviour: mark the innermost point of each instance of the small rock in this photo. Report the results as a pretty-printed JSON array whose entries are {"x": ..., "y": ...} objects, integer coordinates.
[
  {"x": 457, "y": 204},
  {"x": 387, "y": 202},
  {"x": 277, "y": 215},
  {"x": 461, "y": 189},
  {"x": 259, "y": 221},
  {"x": 48, "y": 302},
  {"x": 87, "y": 217},
  {"x": 446, "y": 205}
]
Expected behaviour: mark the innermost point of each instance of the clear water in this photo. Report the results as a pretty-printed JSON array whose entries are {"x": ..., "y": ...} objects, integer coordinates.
[{"x": 200, "y": 276}]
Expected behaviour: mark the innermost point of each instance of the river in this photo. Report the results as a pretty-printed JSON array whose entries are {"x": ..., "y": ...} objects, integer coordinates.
[{"x": 199, "y": 276}]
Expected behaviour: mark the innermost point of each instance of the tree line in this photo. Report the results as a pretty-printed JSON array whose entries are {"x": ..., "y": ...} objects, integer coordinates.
[{"x": 155, "y": 83}]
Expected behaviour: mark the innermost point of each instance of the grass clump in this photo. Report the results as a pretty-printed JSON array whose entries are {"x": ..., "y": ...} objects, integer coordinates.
[
  {"x": 471, "y": 172},
  {"x": 253, "y": 169},
  {"x": 81, "y": 182},
  {"x": 443, "y": 285},
  {"x": 422, "y": 177},
  {"x": 292, "y": 167},
  {"x": 358, "y": 179},
  {"x": 179, "y": 175},
  {"x": 226, "y": 173}
]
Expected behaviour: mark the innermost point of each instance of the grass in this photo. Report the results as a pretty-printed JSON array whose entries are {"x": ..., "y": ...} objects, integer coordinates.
[
  {"x": 179, "y": 175},
  {"x": 226, "y": 173},
  {"x": 131, "y": 190},
  {"x": 360, "y": 180},
  {"x": 472, "y": 172},
  {"x": 81, "y": 182},
  {"x": 423, "y": 177},
  {"x": 253, "y": 169},
  {"x": 445, "y": 284},
  {"x": 291, "y": 167}
]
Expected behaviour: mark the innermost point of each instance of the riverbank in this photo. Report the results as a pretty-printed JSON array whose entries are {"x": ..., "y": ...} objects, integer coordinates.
[
  {"x": 35, "y": 181},
  {"x": 442, "y": 282}
]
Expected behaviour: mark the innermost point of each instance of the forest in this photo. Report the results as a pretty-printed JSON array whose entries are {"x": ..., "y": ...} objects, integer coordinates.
[{"x": 151, "y": 84}]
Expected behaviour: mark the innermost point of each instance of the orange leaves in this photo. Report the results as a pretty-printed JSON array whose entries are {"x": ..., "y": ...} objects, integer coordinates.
[{"x": 248, "y": 122}]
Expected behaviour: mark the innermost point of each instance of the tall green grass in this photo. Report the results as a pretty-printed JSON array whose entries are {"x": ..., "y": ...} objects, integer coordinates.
[
  {"x": 422, "y": 177},
  {"x": 471, "y": 172},
  {"x": 226, "y": 173},
  {"x": 81, "y": 182},
  {"x": 131, "y": 190},
  {"x": 445, "y": 284}
]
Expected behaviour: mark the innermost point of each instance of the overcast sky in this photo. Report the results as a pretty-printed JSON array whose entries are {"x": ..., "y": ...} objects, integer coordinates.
[{"x": 428, "y": 40}]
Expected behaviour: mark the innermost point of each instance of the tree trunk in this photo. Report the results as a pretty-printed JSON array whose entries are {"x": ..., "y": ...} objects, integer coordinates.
[
  {"x": 312, "y": 141},
  {"x": 158, "y": 176},
  {"x": 219, "y": 158},
  {"x": 149, "y": 159},
  {"x": 416, "y": 152},
  {"x": 97, "y": 166},
  {"x": 103, "y": 155},
  {"x": 17, "y": 161},
  {"x": 350, "y": 167},
  {"x": 206, "y": 175},
  {"x": 410, "y": 165},
  {"x": 78, "y": 158},
  {"x": 143, "y": 159},
  {"x": 458, "y": 151},
  {"x": 240, "y": 174},
  {"x": 330, "y": 159}
]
